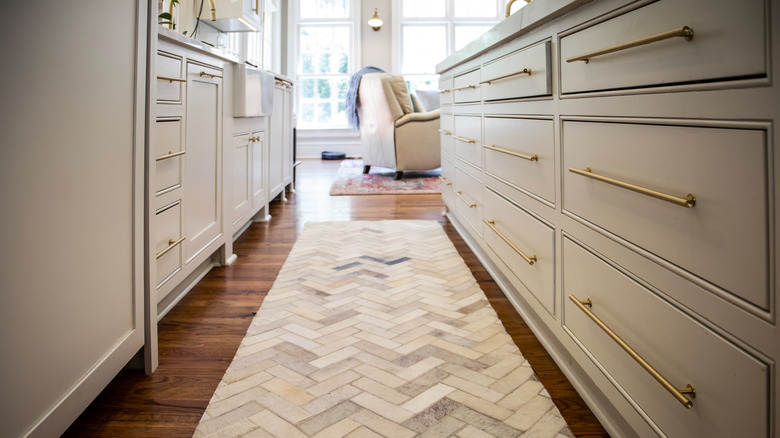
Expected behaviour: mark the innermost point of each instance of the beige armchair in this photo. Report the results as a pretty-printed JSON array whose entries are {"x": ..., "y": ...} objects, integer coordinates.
[{"x": 393, "y": 136}]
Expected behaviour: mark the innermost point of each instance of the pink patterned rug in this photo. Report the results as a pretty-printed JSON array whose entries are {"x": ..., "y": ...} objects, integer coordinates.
[{"x": 381, "y": 181}]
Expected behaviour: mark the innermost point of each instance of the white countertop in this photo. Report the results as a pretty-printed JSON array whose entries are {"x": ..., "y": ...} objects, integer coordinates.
[
  {"x": 530, "y": 17},
  {"x": 176, "y": 37}
]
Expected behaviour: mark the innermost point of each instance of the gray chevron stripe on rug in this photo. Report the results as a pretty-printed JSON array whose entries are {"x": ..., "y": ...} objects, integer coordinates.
[{"x": 378, "y": 329}]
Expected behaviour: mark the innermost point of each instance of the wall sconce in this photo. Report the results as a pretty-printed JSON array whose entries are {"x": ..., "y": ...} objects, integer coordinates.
[{"x": 375, "y": 22}]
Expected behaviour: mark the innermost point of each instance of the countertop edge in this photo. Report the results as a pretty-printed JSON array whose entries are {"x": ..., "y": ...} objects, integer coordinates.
[{"x": 177, "y": 38}]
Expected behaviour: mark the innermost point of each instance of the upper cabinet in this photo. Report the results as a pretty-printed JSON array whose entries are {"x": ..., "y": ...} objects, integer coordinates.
[{"x": 237, "y": 15}]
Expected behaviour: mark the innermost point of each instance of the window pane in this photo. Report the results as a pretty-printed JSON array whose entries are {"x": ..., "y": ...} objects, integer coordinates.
[
  {"x": 323, "y": 115},
  {"x": 467, "y": 34},
  {"x": 324, "y": 49},
  {"x": 324, "y": 8},
  {"x": 424, "y": 8},
  {"x": 422, "y": 48},
  {"x": 476, "y": 9},
  {"x": 307, "y": 88}
]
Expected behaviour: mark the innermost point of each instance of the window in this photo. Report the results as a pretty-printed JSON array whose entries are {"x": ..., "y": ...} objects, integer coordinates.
[
  {"x": 431, "y": 30},
  {"x": 325, "y": 41}
]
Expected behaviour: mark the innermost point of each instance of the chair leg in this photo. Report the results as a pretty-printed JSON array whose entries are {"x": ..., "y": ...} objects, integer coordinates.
[
  {"x": 399, "y": 174},
  {"x": 366, "y": 169}
]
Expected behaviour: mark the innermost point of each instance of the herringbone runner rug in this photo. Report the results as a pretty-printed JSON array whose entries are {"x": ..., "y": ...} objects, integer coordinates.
[{"x": 378, "y": 329}]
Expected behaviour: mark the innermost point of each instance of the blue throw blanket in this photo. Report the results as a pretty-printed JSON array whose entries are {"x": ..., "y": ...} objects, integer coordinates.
[{"x": 352, "y": 95}]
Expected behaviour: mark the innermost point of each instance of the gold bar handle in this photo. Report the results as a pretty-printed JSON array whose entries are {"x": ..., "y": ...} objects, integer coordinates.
[
  {"x": 170, "y": 155},
  {"x": 171, "y": 79},
  {"x": 677, "y": 393},
  {"x": 460, "y": 195},
  {"x": 468, "y": 87},
  {"x": 203, "y": 73},
  {"x": 444, "y": 91},
  {"x": 492, "y": 224},
  {"x": 445, "y": 180},
  {"x": 171, "y": 244},
  {"x": 689, "y": 201},
  {"x": 525, "y": 71},
  {"x": 445, "y": 132},
  {"x": 463, "y": 139},
  {"x": 493, "y": 147},
  {"x": 683, "y": 32}
]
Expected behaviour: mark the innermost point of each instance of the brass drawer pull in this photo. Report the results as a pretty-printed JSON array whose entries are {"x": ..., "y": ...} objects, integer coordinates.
[
  {"x": 492, "y": 224},
  {"x": 493, "y": 147},
  {"x": 445, "y": 181},
  {"x": 677, "y": 393},
  {"x": 460, "y": 195},
  {"x": 684, "y": 32},
  {"x": 525, "y": 71},
  {"x": 445, "y": 132},
  {"x": 468, "y": 87},
  {"x": 171, "y": 244},
  {"x": 170, "y": 155},
  {"x": 689, "y": 201},
  {"x": 444, "y": 91},
  {"x": 203, "y": 73},
  {"x": 463, "y": 139},
  {"x": 171, "y": 79}
]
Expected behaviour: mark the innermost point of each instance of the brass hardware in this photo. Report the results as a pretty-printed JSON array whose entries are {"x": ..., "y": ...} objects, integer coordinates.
[
  {"x": 445, "y": 132},
  {"x": 213, "y": 5},
  {"x": 444, "y": 91},
  {"x": 171, "y": 244},
  {"x": 203, "y": 73},
  {"x": 170, "y": 155},
  {"x": 677, "y": 393},
  {"x": 445, "y": 181},
  {"x": 463, "y": 139},
  {"x": 375, "y": 22},
  {"x": 509, "y": 6},
  {"x": 689, "y": 201},
  {"x": 492, "y": 224},
  {"x": 493, "y": 147},
  {"x": 522, "y": 72},
  {"x": 684, "y": 32},
  {"x": 257, "y": 7},
  {"x": 460, "y": 195},
  {"x": 171, "y": 25},
  {"x": 465, "y": 88},
  {"x": 171, "y": 79}
]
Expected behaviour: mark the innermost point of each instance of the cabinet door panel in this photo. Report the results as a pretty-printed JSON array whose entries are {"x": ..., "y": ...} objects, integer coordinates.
[
  {"x": 258, "y": 169},
  {"x": 241, "y": 176}
]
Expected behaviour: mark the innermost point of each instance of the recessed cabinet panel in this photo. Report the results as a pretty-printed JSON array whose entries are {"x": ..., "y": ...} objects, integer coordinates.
[
  {"x": 713, "y": 219},
  {"x": 168, "y": 153},
  {"x": 258, "y": 169},
  {"x": 732, "y": 386},
  {"x": 466, "y": 87},
  {"x": 167, "y": 247},
  {"x": 241, "y": 176},
  {"x": 170, "y": 78},
  {"x": 447, "y": 122},
  {"x": 445, "y": 91},
  {"x": 525, "y": 73},
  {"x": 468, "y": 198},
  {"x": 447, "y": 180},
  {"x": 525, "y": 245},
  {"x": 521, "y": 152},
  {"x": 468, "y": 139},
  {"x": 704, "y": 42}
]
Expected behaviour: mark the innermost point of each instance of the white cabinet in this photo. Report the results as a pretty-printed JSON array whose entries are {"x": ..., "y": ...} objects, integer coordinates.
[
  {"x": 238, "y": 16},
  {"x": 280, "y": 160},
  {"x": 636, "y": 171},
  {"x": 249, "y": 200}
]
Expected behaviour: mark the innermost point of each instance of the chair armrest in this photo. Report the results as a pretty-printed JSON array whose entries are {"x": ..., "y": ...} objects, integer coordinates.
[{"x": 416, "y": 117}]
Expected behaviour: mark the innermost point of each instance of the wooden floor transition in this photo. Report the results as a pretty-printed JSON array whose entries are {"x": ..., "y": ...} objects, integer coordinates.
[{"x": 198, "y": 337}]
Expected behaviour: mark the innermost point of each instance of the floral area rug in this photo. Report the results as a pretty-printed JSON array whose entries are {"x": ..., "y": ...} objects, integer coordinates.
[{"x": 381, "y": 181}]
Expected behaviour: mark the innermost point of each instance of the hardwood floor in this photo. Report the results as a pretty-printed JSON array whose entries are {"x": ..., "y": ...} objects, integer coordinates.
[{"x": 198, "y": 337}]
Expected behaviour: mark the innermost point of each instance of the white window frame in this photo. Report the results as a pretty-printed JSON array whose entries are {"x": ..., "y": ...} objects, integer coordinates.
[
  {"x": 294, "y": 24},
  {"x": 449, "y": 21}
]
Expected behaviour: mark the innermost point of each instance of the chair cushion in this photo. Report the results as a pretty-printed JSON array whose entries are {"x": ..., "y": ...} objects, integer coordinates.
[{"x": 401, "y": 93}]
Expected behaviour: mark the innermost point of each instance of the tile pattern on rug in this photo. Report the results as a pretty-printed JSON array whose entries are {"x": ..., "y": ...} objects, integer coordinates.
[
  {"x": 381, "y": 181},
  {"x": 378, "y": 329}
]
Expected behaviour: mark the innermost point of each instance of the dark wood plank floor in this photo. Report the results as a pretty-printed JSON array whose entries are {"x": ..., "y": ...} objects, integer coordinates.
[{"x": 198, "y": 337}]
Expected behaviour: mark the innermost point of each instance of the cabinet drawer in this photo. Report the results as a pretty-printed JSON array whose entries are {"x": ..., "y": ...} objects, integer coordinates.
[
  {"x": 465, "y": 87},
  {"x": 524, "y": 244},
  {"x": 203, "y": 72},
  {"x": 732, "y": 387},
  {"x": 723, "y": 238},
  {"x": 521, "y": 152},
  {"x": 170, "y": 78},
  {"x": 524, "y": 73},
  {"x": 728, "y": 42},
  {"x": 468, "y": 139},
  {"x": 468, "y": 198},
  {"x": 447, "y": 129},
  {"x": 445, "y": 91},
  {"x": 168, "y": 242},
  {"x": 447, "y": 179},
  {"x": 169, "y": 154}
]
